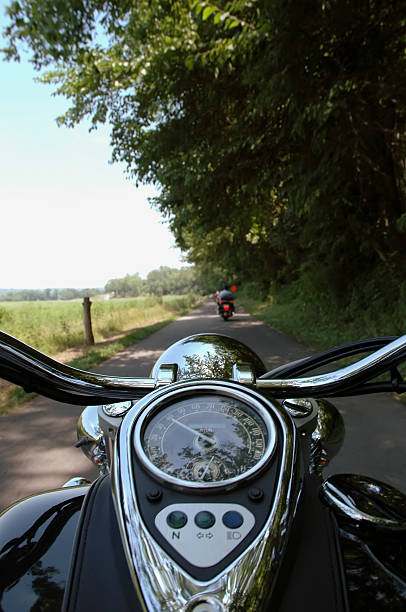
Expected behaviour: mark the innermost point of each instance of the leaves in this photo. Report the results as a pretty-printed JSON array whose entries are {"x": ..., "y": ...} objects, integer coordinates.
[
  {"x": 207, "y": 11},
  {"x": 275, "y": 130}
]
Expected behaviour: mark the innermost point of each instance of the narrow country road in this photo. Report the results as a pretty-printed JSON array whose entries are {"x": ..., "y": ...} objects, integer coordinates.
[{"x": 36, "y": 441}]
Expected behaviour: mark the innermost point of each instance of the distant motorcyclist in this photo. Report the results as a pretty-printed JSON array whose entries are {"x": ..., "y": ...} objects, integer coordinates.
[{"x": 225, "y": 295}]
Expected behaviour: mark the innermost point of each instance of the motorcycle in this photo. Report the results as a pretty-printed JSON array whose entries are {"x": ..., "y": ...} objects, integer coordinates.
[
  {"x": 226, "y": 309},
  {"x": 211, "y": 494},
  {"x": 225, "y": 304}
]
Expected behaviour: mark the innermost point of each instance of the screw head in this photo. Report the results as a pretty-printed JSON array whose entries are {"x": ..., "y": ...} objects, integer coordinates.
[
  {"x": 256, "y": 494},
  {"x": 154, "y": 495}
]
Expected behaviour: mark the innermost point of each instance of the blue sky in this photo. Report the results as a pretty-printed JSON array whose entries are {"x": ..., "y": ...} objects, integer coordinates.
[{"x": 68, "y": 217}]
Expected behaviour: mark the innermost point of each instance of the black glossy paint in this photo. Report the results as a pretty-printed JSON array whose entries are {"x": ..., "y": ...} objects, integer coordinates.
[
  {"x": 380, "y": 505},
  {"x": 375, "y": 571},
  {"x": 36, "y": 538},
  {"x": 374, "y": 547},
  {"x": 100, "y": 579}
]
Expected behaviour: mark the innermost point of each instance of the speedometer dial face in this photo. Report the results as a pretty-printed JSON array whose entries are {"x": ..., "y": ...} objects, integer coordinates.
[{"x": 207, "y": 439}]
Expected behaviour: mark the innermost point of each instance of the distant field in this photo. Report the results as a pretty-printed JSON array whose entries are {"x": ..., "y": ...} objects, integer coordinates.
[{"x": 55, "y": 326}]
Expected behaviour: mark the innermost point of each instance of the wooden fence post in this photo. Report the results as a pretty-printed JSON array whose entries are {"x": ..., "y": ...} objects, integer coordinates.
[{"x": 87, "y": 320}]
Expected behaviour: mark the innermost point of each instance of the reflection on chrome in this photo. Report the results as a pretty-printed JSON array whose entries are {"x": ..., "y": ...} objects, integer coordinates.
[
  {"x": 205, "y": 603},
  {"x": 299, "y": 408},
  {"x": 76, "y": 481},
  {"x": 165, "y": 374},
  {"x": 366, "y": 501},
  {"x": 204, "y": 395},
  {"x": 209, "y": 356},
  {"x": 165, "y": 585},
  {"x": 330, "y": 428},
  {"x": 200, "y": 356},
  {"x": 117, "y": 409},
  {"x": 243, "y": 373},
  {"x": 31, "y": 368},
  {"x": 88, "y": 425},
  {"x": 90, "y": 438}
]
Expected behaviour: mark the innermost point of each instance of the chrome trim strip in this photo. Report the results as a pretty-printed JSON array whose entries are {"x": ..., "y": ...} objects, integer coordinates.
[
  {"x": 76, "y": 481},
  {"x": 123, "y": 517},
  {"x": 366, "y": 368},
  {"x": 344, "y": 501},
  {"x": 213, "y": 387},
  {"x": 166, "y": 586}
]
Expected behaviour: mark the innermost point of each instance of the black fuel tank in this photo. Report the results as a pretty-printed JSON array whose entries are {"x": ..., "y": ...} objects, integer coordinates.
[{"x": 36, "y": 539}]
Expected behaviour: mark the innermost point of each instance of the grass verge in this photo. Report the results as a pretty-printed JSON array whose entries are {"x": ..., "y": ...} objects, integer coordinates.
[{"x": 317, "y": 328}]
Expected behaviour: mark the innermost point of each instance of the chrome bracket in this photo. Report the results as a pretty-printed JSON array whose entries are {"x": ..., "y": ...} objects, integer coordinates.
[
  {"x": 243, "y": 373},
  {"x": 166, "y": 374},
  {"x": 117, "y": 409}
]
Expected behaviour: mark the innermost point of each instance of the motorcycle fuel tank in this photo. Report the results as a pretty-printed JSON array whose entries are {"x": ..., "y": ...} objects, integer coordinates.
[{"x": 36, "y": 539}]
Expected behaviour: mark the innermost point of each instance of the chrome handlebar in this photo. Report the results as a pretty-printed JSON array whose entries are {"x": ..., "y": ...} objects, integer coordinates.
[
  {"x": 25, "y": 366},
  {"x": 343, "y": 380},
  {"x": 34, "y": 371}
]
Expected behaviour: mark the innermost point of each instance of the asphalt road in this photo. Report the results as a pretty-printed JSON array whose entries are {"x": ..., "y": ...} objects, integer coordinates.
[{"x": 37, "y": 441}]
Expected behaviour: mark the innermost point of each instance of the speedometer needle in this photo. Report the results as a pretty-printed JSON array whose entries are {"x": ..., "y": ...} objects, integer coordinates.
[
  {"x": 206, "y": 469},
  {"x": 193, "y": 431}
]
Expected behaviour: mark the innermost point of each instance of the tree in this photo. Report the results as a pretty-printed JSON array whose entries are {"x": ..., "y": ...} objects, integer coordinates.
[
  {"x": 131, "y": 285},
  {"x": 274, "y": 129},
  {"x": 162, "y": 281}
]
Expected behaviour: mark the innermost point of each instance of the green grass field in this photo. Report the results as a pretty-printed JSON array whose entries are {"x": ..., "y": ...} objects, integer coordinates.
[{"x": 53, "y": 327}]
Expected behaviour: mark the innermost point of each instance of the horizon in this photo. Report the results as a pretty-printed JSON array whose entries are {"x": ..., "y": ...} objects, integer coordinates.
[{"x": 3, "y": 289}]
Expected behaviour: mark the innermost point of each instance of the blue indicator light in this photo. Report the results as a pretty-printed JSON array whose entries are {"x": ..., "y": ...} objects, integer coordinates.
[{"x": 232, "y": 519}]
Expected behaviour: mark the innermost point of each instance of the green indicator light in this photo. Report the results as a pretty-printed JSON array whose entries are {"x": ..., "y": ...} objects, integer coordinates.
[
  {"x": 176, "y": 519},
  {"x": 205, "y": 519}
]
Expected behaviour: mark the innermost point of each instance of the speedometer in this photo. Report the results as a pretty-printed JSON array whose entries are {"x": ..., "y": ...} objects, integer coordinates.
[{"x": 205, "y": 440}]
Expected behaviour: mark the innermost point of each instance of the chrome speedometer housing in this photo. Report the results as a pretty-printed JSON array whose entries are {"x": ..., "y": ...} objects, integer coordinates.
[
  {"x": 204, "y": 437},
  {"x": 231, "y": 581}
]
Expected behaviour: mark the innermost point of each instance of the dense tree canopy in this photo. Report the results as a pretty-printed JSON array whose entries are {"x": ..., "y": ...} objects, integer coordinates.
[{"x": 275, "y": 129}]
